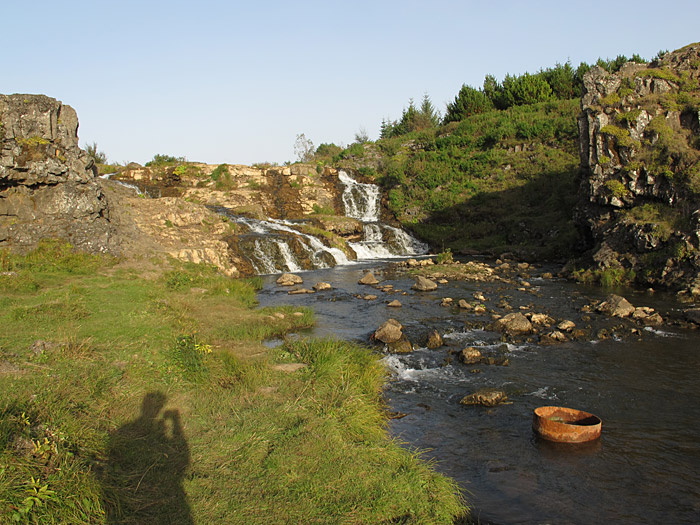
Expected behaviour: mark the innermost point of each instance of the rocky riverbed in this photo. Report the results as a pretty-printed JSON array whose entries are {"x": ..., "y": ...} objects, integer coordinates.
[{"x": 514, "y": 336}]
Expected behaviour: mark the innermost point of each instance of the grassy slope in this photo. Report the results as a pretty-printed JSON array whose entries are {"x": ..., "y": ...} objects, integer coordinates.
[
  {"x": 453, "y": 185},
  {"x": 155, "y": 402}
]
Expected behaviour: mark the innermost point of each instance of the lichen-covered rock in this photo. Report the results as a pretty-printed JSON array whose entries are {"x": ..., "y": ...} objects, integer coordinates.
[{"x": 47, "y": 183}]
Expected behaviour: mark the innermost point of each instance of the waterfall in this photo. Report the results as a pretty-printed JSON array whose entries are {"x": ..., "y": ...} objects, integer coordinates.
[
  {"x": 380, "y": 241},
  {"x": 361, "y": 201},
  {"x": 275, "y": 246},
  {"x": 108, "y": 176}
]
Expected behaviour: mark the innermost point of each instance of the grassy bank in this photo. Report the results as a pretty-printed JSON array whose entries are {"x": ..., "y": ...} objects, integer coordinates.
[{"x": 137, "y": 392}]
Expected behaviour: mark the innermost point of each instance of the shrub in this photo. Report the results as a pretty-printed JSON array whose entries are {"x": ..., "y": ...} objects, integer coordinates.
[
  {"x": 628, "y": 117},
  {"x": 663, "y": 74},
  {"x": 327, "y": 151},
  {"x": 621, "y": 135},
  {"x": 98, "y": 157},
  {"x": 445, "y": 257},
  {"x": 610, "y": 99},
  {"x": 164, "y": 160},
  {"x": 616, "y": 188}
]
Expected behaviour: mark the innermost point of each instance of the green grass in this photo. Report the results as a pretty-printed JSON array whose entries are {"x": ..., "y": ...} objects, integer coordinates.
[
  {"x": 133, "y": 400},
  {"x": 446, "y": 184}
]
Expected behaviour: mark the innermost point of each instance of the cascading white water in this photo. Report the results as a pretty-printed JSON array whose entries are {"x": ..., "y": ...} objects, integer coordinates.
[
  {"x": 108, "y": 176},
  {"x": 274, "y": 246},
  {"x": 380, "y": 241},
  {"x": 271, "y": 252},
  {"x": 361, "y": 201}
]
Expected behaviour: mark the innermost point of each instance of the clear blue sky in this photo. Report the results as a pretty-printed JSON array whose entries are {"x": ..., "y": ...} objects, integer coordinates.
[{"x": 229, "y": 81}]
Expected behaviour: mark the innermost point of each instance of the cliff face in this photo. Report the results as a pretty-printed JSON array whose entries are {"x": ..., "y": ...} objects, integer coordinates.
[
  {"x": 47, "y": 183},
  {"x": 639, "y": 211}
]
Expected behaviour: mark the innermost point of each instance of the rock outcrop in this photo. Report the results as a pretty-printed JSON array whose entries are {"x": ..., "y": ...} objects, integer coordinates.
[
  {"x": 47, "y": 183},
  {"x": 639, "y": 211},
  {"x": 280, "y": 192}
]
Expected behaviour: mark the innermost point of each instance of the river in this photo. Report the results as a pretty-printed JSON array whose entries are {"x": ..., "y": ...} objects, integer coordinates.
[{"x": 644, "y": 469}]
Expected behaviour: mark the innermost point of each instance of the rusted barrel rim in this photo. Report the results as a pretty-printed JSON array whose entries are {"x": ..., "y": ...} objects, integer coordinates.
[{"x": 570, "y": 426}]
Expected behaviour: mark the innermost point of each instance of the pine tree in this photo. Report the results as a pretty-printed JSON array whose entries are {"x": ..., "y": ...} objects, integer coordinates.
[{"x": 469, "y": 101}]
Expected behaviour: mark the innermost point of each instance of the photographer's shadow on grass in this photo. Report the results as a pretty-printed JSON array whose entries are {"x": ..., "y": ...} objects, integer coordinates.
[{"x": 142, "y": 480}]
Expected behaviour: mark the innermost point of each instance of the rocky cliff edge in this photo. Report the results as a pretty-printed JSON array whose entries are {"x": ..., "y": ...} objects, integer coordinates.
[
  {"x": 47, "y": 183},
  {"x": 639, "y": 211}
]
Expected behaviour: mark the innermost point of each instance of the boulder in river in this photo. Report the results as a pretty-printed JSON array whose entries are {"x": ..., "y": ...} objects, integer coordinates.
[
  {"x": 434, "y": 340},
  {"x": 423, "y": 284},
  {"x": 464, "y": 305},
  {"x": 395, "y": 304},
  {"x": 566, "y": 326},
  {"x": 557, "y": 336},
  {"x": 289, "y": 279},
  {"x": 300, "y": 291},
  {"x": 541, "y": 319},
  {"x": 369, "y": 279},
  {"x": 402, "y": 346},
  {"x": 616, "y": 306},
  {"x": 512, "y": 324},
  {"x": 389, "y": 332},
  {"x": 470, "y": 356},
  {"x": 693, "y": 315},
  {"x": 322, "y": 286},
  {"x": 647, "y": 316},
  {"x": 488, "y": 397}
]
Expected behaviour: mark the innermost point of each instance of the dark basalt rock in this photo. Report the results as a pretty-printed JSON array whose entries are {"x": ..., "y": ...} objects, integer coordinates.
[{"x": 47, "y": 183}]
